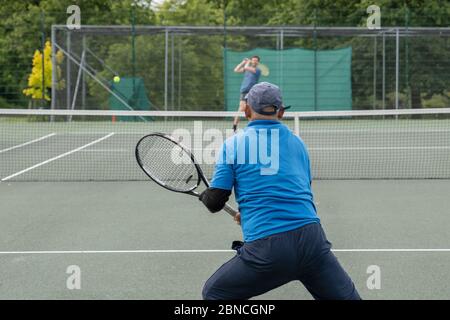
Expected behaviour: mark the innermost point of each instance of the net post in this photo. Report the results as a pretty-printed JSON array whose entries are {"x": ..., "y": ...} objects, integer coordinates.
[{"x": 297, "y": 124}]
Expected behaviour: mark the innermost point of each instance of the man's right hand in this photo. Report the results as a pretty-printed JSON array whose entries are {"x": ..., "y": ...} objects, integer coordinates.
[{"x": 237, "y": 218}]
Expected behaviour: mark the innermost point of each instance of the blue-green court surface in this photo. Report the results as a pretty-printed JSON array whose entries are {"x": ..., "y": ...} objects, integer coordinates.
[{"x": 135, "y": 240}]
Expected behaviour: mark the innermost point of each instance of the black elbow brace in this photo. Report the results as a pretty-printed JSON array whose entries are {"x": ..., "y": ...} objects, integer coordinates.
[{"x": 214, "y": 199}]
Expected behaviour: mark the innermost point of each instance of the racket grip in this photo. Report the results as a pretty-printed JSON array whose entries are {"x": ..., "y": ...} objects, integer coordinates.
[{"x": 230, "y": 210}]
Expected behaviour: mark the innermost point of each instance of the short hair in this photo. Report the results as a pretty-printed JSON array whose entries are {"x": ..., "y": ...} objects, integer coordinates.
[{"x": 257, "y": 57}]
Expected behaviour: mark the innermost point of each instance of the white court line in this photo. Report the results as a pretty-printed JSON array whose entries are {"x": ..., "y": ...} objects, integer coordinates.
[
  {"x": 57, "y": 157},
  {"x": 199, "y": 251},
  {"x": 115, "y": 251},
  {"x": 27, "y": 143},
  {"x": 107, "y": 150}
]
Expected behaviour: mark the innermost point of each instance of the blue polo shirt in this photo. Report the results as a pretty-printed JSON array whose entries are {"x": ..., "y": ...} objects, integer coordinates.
[{"x": 268, "y": 167}]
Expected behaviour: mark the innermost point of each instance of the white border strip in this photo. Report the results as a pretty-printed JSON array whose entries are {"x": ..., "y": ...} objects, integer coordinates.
[
  {"x": 27, "y": 143},
  {"x": 220, "y": 114},
  {"x": 378, "y": 148},
  {"x": 199, "y": 251},
  {"x": 57, "y": 157}
]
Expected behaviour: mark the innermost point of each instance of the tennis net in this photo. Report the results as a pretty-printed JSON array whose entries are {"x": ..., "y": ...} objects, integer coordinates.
[{"x": 86, "y": 145}]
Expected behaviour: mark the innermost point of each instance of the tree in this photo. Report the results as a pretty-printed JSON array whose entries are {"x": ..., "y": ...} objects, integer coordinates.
[
  {"x": 22, "y": 24},
  {"x": 424, "y": 74},
  {"x": 38, "y": 87}
]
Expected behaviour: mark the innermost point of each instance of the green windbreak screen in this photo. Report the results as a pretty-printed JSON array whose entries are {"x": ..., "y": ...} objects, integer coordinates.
[
  {"x": 132, "y": 91},
  {"x": 310, "y": 80}
]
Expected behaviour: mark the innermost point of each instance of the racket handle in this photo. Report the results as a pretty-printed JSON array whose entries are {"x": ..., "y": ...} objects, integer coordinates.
[{"x": 230, "y": 210}]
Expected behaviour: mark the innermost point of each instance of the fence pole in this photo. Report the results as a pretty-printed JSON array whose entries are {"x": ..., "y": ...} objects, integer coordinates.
[
  {"x": 166, "y": 67},
  {"x": 83, "y": 78},
  {"x": 408, "y": 89},
  {"x": 172, "y": 73},
  {"x": 133, "y": 56},
  {"x": 374, "y": 73},
  {"x": 179, "y": 73},
  {"x": 54, "y": 66},
  {"x": 225, "y": 66},
  {"x": 43, "y": 57},
  {"x": 68, "y": 70},
  {"x": 315, "y": 60},
  {"x": 281, "y": 57},
  {"x": 397, "y": 41},
  {"x": 384, "y": 72}
]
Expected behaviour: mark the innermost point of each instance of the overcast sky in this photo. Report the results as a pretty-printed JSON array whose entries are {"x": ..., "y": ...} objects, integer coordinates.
[{"x": 155, "y": 3}]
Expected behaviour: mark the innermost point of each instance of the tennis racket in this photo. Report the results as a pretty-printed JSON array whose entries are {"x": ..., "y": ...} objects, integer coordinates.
[
  {"x": 264, "y": 69},
  {"x": 171, "y": 165}
]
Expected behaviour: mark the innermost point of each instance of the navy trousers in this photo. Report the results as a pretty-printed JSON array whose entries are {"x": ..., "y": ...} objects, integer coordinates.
[{"x": 259, "y": 266}]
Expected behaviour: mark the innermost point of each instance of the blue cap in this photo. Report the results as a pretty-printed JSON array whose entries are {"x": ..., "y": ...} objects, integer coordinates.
[{"x": 265, "y": 94}]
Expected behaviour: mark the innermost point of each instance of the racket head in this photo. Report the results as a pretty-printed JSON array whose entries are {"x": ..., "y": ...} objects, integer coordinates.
[
  {"x": 168, "y": 163},
  {"x": 264, "y": 69}
]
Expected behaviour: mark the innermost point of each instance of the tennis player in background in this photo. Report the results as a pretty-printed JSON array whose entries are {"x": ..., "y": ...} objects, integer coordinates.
[
  {"x": 251, "y": 77},
  {"x": 283, "y": 238}
]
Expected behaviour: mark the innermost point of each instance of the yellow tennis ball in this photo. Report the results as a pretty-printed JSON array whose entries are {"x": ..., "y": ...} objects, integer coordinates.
[{"x": 116, "y": 79}]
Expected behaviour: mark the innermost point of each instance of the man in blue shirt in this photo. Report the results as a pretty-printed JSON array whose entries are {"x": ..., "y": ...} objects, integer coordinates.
[
  {"x": 268, "y": 167},
  {"x": 251, "y": 77}
]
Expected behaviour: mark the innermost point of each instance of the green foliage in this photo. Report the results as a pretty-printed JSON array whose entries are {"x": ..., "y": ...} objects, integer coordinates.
[
  {"x": 38, "y": 87},
  {"x": 194, "y": 12},
  {"x": 3, "y": 103},
  {"x": 437, "y": 101},
  {"x": 22, "y": 24}
]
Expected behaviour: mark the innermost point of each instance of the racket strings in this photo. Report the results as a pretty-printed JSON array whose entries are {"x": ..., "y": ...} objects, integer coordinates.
[{"x": 168, "y": 163}]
